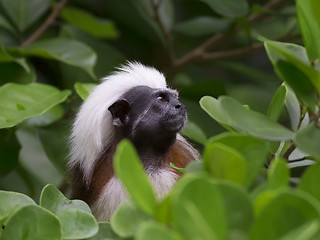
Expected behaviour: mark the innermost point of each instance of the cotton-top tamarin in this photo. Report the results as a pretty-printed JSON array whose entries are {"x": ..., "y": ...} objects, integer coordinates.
[{"x": 134, "y": 103}]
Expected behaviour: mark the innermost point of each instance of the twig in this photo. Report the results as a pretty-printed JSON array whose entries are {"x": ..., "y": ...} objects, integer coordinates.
[
  {"x": 167, "y": 35},
  {"x": 201, "y": 51},
  {"x": 46, "y": 24},
  {"x": 289, "y": 150}
]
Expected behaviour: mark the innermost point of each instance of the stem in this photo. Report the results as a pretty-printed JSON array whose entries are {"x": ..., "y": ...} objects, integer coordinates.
[
  {"x": 46, "y": 24},
  {"x": 289, "y": 150}
]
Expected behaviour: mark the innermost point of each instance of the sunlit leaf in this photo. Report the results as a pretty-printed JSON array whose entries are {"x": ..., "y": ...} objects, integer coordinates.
[{"x": 18, "y": 102}]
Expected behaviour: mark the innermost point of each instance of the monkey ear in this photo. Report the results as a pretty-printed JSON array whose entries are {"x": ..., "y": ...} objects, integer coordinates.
[{"x": 119, "y": 111}]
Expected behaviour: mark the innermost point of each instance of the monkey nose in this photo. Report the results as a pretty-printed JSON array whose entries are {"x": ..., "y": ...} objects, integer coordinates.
[{"x": 178, "y": 106}]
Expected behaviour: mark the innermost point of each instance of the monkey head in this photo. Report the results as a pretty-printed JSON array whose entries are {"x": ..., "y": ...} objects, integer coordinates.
[{"x": 149, "y": 117}]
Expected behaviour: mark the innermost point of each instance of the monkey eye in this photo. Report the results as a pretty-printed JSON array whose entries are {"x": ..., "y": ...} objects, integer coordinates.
[{"x": 162, "y": 98}]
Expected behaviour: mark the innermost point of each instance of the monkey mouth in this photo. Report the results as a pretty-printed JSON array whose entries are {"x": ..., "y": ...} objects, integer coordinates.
[{"x": 176, "y": 123}]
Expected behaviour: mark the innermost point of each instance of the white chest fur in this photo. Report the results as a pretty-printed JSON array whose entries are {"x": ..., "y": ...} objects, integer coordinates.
[{"x": 114, "y": 193}]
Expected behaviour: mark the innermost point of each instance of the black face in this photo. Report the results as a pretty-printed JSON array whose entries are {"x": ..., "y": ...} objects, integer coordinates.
[{"x": 149, "y": 117}]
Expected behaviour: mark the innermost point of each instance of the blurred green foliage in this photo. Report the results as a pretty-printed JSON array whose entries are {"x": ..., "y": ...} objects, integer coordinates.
[{"x": 53, "y": 53}]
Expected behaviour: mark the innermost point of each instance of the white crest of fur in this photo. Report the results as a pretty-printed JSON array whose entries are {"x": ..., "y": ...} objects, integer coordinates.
[{"x": 93, "y": 129}]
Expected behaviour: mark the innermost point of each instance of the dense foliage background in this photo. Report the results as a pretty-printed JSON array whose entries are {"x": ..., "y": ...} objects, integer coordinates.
[{"x": 263, "y": 92}]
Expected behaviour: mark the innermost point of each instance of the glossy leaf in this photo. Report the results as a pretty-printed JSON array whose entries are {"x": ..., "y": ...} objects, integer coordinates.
[
  {"x": 54, "y": 139},
  {"x": 5, "y": 24},
  {"x": 308, "y": 231},
  {"x": 49, "y": 117},
  {"x": 84, "y": 20},
  {"x": 155, "y": 231},
  {"x": 77, "y": 224},
  {"x": 130, "y": 171},
  {"x": 198, "y": 210},
  {"x": 11, "y": 202},
  {"x": 22, "y": 12},
  {"x": 202, "y": 26},
  {"x": 224, "y": 162},
  {"x": 309, "y": 22},
  {"x": 6, "y": 57},
  {"x": 293, "y": 108},
  {"x": 307, "y": 139},
  {"x": 254, "y": 151},
  {"x": 104, "y": 233},
  {"x": 53, "y": 200},
  {"x": 18, "y": 102},
  {"x": 127, "y": 219},
  {"x": 238, "y": 206},
  {"x": 17, "y": 73},
  {"x": 64, "y": 50},
  {"x": 107, "y": 57},
  {"x": 9, "y": 151},
  {"x": 277, "y": 103},
  {"x": 310, "y": 181},
  {"x": 32, "y": 222},
  {"x": 83, "y": 89},
  {"x": 284, "y": 213},
  {"x": 195, "y": 133},
  {"x": 226, "y": 108},
  {"x": 229, "y": 8},
  {"x": 278, "y": 174},
  {"x": 286, "y": 58}
]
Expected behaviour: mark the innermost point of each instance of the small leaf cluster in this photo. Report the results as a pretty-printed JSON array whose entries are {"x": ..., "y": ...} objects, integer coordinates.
[
  {"x": 56, "y": 217},
  {"x": 245, "y": 187}
]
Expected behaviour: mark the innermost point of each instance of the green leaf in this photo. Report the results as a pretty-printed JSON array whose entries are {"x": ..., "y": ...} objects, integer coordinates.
[
  {"x": 104, "y": 233},
  {"x": 278, "y": 174},
  {"x": 201, "y": 26},
  {"x": 68, "y": 51},
  {"x": 13, "y": 72},
  {"x": 84, "y": 89},
  {"x": 198, "y": 210},
  {"x": 9, "y": 151},
  {"x": 127, "y": 219},
  {"x": 224, "y": 162},
  {"x": 18, "y": 102},
  {"x": 250, "y": 72},
  {"x": 5, "y": 24},
  {"x": 309, "y": 21},
  {"x": 277, "y": 103},
  {"x": 293, "y": 108},
  {"x": 229, "y": 8},
  {"x": 6, "y": 57},
  {"x": 307, "y": 231},
  {"x": 307, "y": 139},
  {"x": 130, "y": 171},
  {"x": 22, "y": 12},
  {"x": 226, "y": 108},
  {"x": 285, "y": 212},
  {"x": 213, "y": 108},
  {"x": 53, "y": 200},
  {"x": 54, "y": 139},
  {"x": 288, "y": 57},
  {"x": 309, "y": 181},
  {"x": 238, "y": 206},
  {"x": 254, "y": 150},
  {"x": 49, "y": 117},
  {"x": 107, "y": 57},
  {"x": 32, "y": 222},
  {"x": 100, "y": 28},
  {"x": 195, "y": 133},
  {"x": 77, "y": 224},
  {"x": 155, "y": 231},
  {"x": 11, "y": 202}
]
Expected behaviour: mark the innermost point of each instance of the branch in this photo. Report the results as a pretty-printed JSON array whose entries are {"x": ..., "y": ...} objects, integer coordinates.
[
  {"x": 199, "y": 53},
  {"x": 46, "y": 24},
  {"x": 167, "y": 35}
]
